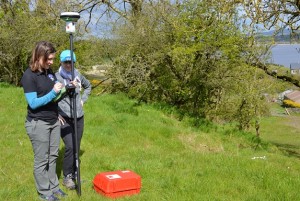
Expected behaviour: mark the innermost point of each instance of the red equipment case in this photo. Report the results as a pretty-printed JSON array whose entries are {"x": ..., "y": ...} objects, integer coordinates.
[{"x": 117, "y": 183}]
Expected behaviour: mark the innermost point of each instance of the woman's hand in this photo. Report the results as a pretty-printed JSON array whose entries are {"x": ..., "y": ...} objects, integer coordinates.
[
  {"x": 57, "y": 87},
  {"x": 74, "y": 83}
]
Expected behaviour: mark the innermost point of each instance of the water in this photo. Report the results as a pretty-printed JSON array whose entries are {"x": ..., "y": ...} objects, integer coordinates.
[{"x": 285, "y": 54}]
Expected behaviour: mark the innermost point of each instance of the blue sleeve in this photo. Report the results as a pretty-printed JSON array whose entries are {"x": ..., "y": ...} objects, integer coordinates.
[{"x": 34, "y": 102}]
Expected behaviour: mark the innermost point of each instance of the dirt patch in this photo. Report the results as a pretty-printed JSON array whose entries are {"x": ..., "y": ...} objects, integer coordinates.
[{"x": 200, "y": 144}]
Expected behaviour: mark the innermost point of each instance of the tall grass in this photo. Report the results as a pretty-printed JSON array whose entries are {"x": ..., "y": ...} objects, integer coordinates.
[{"x": 175, "y": 160}]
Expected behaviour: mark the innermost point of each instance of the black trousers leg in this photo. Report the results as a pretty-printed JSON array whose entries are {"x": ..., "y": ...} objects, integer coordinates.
[{"x": 68, "y": 136}]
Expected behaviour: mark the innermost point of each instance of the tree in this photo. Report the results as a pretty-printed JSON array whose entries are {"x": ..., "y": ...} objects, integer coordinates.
[
  {"x": 22, "y": 25},
  {"x": 191, "y": 56},
  {"x": 278, "y": 14}
]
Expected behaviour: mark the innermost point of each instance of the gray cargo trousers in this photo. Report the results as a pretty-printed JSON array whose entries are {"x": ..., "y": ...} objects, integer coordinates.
[{"x": 45, "y": 139}]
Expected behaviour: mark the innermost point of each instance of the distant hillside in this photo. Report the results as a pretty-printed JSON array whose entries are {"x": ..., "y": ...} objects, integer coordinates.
[
  {"x": 271, "y": 32},
  {"x": 281, "y": 37}
]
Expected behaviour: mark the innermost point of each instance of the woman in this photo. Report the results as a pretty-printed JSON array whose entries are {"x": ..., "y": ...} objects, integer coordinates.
[
  {"x": 42, "y": 126},
  {"x": 64, "y": 75}
]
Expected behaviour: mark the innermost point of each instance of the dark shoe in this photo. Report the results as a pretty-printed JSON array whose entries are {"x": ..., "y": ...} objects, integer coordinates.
[
  {"x": 49, "y": 198},
  {"x": 68, "y": 182},
  {"x": 60, "y": 193}
]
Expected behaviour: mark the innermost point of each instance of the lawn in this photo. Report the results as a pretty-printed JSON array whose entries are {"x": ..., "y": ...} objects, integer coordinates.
[{"x": 175, "y": 160}]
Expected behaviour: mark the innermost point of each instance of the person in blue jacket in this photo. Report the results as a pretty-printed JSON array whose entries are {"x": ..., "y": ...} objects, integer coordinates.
[
  {"x": 42, "y": 125},
  {"x": 82, "y": 91}
]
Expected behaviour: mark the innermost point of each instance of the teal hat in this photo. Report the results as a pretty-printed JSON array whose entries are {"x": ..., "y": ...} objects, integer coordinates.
[{"x": 66, "y": 56}]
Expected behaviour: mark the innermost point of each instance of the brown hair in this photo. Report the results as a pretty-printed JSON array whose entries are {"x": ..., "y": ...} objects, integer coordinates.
[{"x": 42, "y": 50}]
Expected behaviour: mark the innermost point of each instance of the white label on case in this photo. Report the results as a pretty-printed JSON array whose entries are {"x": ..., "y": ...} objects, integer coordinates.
[{"x": 113, "y": 176}]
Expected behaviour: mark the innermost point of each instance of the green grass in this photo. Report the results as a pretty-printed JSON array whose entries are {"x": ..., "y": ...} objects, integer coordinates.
[
  {"x": 284, "y": 133},
  {"x": 175, "y": 160}
]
